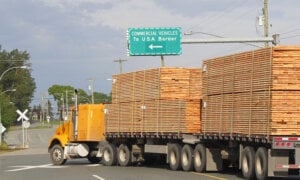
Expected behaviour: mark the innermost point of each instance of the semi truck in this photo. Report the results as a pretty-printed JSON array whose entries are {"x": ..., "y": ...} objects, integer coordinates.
[{"x": 245, "y": 117}]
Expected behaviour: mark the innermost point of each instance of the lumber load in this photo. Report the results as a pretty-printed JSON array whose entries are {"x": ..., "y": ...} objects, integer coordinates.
[
  {"x": 153, "y": 117},
  {"x": 253, "y": 93},
  {"x": 159, "y": 83},
  {"x": 161, "y": 100}
]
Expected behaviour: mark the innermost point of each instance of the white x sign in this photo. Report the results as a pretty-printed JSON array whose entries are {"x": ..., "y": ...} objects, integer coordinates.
[{"x": 22, "y": 115}]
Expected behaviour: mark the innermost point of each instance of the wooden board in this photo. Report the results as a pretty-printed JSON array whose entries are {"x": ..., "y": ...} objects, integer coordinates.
[
  {"x": 159, "y": 83},
  {"x": 154, "y": 116},
  {"x": 253, "y": 93}
]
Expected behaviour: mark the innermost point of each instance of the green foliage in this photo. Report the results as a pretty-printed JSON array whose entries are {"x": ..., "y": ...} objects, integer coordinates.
[
  {"x": 101, "y": 98},
  {"x": 14, "y": 77},
  {"x": 8, "y": 111},
  {"x": 60, "y": 92}
]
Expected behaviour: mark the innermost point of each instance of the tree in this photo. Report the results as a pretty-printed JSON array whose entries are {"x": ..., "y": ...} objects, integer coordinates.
[
  {"x": 101, "y": 98},
  {"x": 61, "y": 92},
  {"x": 15, "y": 78},
  {"x": 8, "y": 111}
]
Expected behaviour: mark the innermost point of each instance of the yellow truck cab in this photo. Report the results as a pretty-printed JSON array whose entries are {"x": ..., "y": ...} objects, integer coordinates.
[{"x": 79, "y": 136}]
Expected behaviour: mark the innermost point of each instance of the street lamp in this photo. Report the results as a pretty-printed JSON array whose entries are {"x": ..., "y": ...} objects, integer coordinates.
[{"x": 16, "y": 67}]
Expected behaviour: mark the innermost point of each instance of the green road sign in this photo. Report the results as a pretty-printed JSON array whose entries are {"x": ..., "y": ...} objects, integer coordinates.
[{"x": 154, "y": 41}]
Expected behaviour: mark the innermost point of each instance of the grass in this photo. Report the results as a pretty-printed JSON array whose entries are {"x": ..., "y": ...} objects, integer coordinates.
[
  {"x": 4, "y": 148},
  {"x": 40, "y": 126}
]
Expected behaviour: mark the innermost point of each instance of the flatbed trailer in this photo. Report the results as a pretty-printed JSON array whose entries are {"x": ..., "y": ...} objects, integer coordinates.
[
  {"x": 256, "y": 156},
  {"x": 244, "y": 114}
]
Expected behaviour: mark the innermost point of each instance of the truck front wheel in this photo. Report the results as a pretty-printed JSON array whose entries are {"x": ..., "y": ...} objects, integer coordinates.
[
  {"x": 57, "y": 155},
  {"x": 109, "y": 155}
]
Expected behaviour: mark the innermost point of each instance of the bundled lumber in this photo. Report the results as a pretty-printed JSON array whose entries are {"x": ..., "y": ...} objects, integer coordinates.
[
  {"x": 253, "y": 93},
  {"x": 154, "y": 116},
  {"x": 159, "y": 83},
  {"x": 161, "y": 100}
]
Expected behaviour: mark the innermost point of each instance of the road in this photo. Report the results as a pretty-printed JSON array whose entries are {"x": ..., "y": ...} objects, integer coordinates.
[
  {"x": 39, "y": 167},
  {"x": 34, "y": 163}
]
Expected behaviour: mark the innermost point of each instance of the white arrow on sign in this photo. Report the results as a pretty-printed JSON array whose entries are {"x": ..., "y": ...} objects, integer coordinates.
[
  {"x": 151, "y": 46},
  {"x": 22, "y": 115},
  {"x": 2, "y": 128}
]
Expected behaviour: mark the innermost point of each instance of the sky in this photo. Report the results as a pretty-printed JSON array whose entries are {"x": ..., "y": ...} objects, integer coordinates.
[{"x": 72, "y": 41}]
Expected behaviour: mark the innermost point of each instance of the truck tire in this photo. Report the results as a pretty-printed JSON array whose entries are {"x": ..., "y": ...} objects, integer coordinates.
[
  {"x": 57, "y": 155},
  {"x": 261, "y": 163},
  {"x": 109, "y": 155},
  {"x": 200, "y": 158},
  {"x": 187, "y": 157},
  {"x": 247, "y": 162},
  {"x": 124, "y": 155},
  {"x": 174, "y": 155}
]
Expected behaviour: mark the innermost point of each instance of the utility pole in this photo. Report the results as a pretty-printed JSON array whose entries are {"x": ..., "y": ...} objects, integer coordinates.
[
  {"x": 41, "y": 106},
  {"x": 67, "y": 104},
  {"x": 91, "y": 88},
  {"x": 120, "y": 61},
  {"x": 162, "y": 61},
  {"x": 266, "y": 21}
]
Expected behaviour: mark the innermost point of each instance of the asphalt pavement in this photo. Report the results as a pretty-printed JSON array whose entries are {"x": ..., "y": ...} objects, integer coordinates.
[{"x": 35, "y": 139}]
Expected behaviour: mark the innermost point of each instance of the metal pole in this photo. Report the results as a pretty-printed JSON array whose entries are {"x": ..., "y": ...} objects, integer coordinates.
[
  {"x": 67, "y": 104},
  {"x": 63, "y": 106},
  {"x": 227, "y": 40},
  {"x": 120, "y": 61},
  {"x": 23, "y": 132},
  {"x": 91, "y": 88},
  {"x": 266, "y": 21},
  {"x": 162, "y": 61},
  {"x": 76, "y": 115}
]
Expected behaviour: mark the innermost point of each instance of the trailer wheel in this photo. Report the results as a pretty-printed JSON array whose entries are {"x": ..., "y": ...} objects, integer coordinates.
[
  {"x": 109, "y": 155},
  {"x": 261, "y": 163},
  {"x": 174, "y": 156},
  {"x": 247, "y": 159},
  {"x": 57, "y": 155},
  {"x": 187, "y": 157},
  {"x": 200, "y": 158},
  {"x": 124, "y": 155}
]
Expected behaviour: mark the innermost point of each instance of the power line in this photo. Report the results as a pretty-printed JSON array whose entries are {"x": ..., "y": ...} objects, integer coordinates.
[
  {"x": 217, "y": 16},
  {"x": 290, "y": 31},
  {"x": 288, "y": 37}
]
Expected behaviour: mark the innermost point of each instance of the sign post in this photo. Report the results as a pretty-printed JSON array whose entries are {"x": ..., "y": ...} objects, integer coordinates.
[
  {"x": 154, "y": 41},
  {"x": 25, "y": 124}
]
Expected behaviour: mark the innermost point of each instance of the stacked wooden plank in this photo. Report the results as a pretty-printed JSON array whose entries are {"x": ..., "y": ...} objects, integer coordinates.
[
  {"x": 154, "y": 116},
  {"x": 159, "y": 83},
  {"x": 253, "y": 93},
  {"x": 162, "y": 100}
]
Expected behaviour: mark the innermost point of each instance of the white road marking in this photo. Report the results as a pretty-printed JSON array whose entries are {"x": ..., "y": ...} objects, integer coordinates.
[
  {"x": 22, "y": 168},
  {"x": 98, "y": 177},
  {"x": 93, "y": 165}
]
